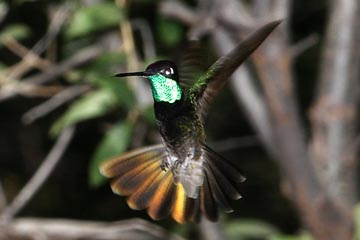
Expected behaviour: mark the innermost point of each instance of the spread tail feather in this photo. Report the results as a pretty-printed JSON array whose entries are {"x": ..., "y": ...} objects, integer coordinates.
[{"x": 138, "y": 175}]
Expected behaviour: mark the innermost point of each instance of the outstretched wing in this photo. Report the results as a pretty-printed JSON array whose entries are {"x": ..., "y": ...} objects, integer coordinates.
[
  {"x": 192, "y": 64},
  {"x": 209, "y": 84}
]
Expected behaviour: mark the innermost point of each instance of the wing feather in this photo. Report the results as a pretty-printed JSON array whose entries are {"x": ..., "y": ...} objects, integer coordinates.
[{"x": 209, "y": 84}]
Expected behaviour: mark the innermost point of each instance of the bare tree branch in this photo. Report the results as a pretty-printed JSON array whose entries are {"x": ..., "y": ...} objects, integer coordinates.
[
  {"x": 180, "y": 11},
  {"x": 335, "y": 114},
  {"x": 30, "y": 59},
  {"x": 303, "y": 45},
  {"x": 51, "y": 73},
  {"x": 140, "y": 89},
  {"x": 83, "y": 57},
  {"x": 246, "y": 93},
  {"x": 41, "y": 175},
  {"x": 54, "y": 102},
  {"x": 63, "y": 229},
  {"x": 57, "y": 21}
]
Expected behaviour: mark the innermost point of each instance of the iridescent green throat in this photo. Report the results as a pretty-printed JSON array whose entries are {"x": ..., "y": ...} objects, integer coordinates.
[{"x": 164, "y": 89}]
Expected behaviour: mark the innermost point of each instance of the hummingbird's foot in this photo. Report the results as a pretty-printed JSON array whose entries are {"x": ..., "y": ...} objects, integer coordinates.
[
  {"x": 165, "y": 166},
  {"x": 177, "y": 163}
]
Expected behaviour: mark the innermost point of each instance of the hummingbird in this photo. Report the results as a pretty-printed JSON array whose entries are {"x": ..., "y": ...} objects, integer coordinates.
[{"x": 182, "y": 177}]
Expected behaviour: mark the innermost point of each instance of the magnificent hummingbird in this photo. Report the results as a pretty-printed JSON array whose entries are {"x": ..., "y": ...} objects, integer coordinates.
[{"x": 182, "y": 177}]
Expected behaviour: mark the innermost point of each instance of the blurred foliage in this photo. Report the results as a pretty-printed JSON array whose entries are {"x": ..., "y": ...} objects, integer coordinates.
[
  {"x": 255, "y": 229},
  {"x": 248, "y": 229},
  {"x": 286, "y": 237},
  {"x": 115, "y": 142},
  {"x": 171, "y": 32},
  {"x": 108, "y": 94},
  {"x": 93, "y": 104},
  {"x": 14, "y": 31},
  {"x": 89, "y": 19}
]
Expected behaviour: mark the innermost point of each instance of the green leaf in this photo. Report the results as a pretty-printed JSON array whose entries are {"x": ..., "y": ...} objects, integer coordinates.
[
  {"x": 2, "y": 66},
  {"x": 17, "y": 31},
  {"x": 107, "y": 62},
  {"x": 170, "y": 32},
  {"x": 119, "y": 89},
  {"x": 304, "y": 236},
  {"x": 92, "y": 105},
  {"x": 93, "y": 18},
  {"x": 249, "y": 229},
  {"x": 115, "y": 142},
  {"x": 100, "y": 73}
]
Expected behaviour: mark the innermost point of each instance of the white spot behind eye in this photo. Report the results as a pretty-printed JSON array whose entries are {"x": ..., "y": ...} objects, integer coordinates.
[{"x": 169, "y": 71}]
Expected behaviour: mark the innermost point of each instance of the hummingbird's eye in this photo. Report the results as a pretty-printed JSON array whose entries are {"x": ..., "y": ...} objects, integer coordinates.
[{"x": 168, "y": 71}]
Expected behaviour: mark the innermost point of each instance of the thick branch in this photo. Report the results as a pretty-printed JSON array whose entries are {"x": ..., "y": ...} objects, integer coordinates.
[
  {"x": 320, "y": 213},
  {"x": 334, "y": 115}
]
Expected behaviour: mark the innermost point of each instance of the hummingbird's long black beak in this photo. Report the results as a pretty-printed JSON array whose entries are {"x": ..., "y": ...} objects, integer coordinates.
[{"x": 139, "y": 74}]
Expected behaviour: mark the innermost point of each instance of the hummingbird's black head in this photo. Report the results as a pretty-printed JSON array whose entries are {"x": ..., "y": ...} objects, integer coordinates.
[
  {"x": 164, "y": 80},
  {"x": 164, "y": 67}
]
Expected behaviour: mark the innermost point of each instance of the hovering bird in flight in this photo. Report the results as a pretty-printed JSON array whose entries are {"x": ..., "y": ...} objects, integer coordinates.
[{"x": 182, "y": 176}]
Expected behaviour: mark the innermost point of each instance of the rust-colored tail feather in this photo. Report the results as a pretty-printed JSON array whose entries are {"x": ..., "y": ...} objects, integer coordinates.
[{"x": 138, "y": 175}]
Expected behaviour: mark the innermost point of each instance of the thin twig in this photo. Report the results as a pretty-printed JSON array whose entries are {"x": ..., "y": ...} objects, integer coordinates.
[
  {"x": 54, "y": 102},
  {"x": 140, "y": 89},
  {"x": 77, "y": 60},
  {"x": 29, "y": 58},
  {"x": 39, "y": 178},
  {"x": 29, "y": 90},
  {"x": 53, "y": 72},
  {"x": 54, "y": 28},
  {"x": 303, "y": 45}
]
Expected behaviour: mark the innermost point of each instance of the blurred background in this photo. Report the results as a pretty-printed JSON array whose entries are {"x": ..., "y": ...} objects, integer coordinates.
[{"x": 288, "y": 118}]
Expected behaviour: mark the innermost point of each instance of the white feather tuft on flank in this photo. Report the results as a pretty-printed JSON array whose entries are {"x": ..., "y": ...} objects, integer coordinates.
[{"x": 191, "y": 175}]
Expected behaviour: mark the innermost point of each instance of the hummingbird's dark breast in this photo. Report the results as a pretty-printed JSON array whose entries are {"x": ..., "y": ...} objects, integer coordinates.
[{"x": 181, "y": 129}]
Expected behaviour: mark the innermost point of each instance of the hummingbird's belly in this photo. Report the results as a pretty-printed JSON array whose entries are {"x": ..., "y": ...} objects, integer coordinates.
[
  {"x": 183, "y": 137},
  {"x": 184, "y": 140}
]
